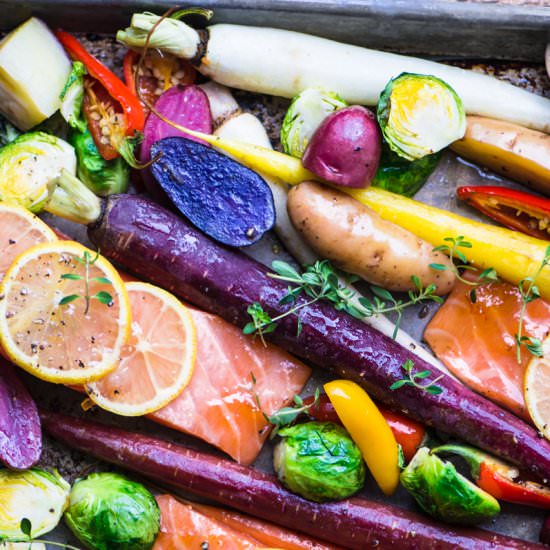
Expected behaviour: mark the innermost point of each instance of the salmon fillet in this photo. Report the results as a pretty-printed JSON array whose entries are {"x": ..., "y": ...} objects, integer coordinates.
[
  {"x": 219, "y": 404},
  {"x": 477, "y": 341}
]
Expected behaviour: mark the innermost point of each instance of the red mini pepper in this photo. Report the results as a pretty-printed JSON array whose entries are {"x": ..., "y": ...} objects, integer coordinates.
[
  {"x": 514, "y": 209},
  {"x": 498, "y": 478},
  {"x": 108, "y": 97},
  {"x": 158, "y": 74},
  {"x": 408, "y": 433}
]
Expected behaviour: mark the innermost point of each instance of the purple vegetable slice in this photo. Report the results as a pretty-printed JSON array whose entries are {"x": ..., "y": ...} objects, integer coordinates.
[
  {"x": 187, "y": 106},
  {"x": 160, "y": 246},
  {"x": 20, "y": 434},
  {"x": 226, "y": 200}
]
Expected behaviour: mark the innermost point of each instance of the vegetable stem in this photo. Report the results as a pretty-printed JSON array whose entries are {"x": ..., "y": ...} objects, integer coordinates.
[{"x": 72, "y": 200}]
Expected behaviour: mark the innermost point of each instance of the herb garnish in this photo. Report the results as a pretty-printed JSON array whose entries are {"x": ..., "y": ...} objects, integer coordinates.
[
  {"x": 286, "y": 415},
  {"x": 102, "y": 296},
  {"x": 529, "y": 292},
  {"x": 26, "y": 529},
  {"x": 322, "y": 281},
  {"x": 452, "y": 250},
  {"x": 414, "y": 379}
]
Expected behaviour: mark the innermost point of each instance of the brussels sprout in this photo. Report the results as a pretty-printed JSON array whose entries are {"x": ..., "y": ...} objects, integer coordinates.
[
  {"x": 103, "y": 177},
  {"x": 403, "y": 176},
  {"x": 444, "y": 493},
  {"x": 319, "y": 461},
  {"x": 109, "y": 512},
  {"x": 420, "y": 115},
  {"x": 35, "y": 494},
  {"x": 72, "y": 97},
  {"x": 306, "y": 112}
]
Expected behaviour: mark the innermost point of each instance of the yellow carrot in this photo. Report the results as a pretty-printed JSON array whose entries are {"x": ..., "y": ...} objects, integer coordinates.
[{"x": 512, "y": 254}]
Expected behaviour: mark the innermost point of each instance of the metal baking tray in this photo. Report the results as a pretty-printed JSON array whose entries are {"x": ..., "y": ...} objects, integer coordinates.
[{"x": 438, "y": 29}]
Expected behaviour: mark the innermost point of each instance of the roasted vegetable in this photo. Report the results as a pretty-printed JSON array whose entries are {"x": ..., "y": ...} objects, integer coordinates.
[
  {"x": 226, "y": 200},
  {"x": 72, "y": 98},
  {"x": 283, "y": 63},
  {"x": 110, "y": 512},
  {"x": 156, "y": 244},
  {"x": 359, "y": 241},
  {"x": 20, "y": 435},
  {"x": 39, "y": 496},
  {"x": 345, "y": 148},
  {"x": 350, "y": 524},
  {"x": 409, "y": 434},
  {"x": 420, "y": 115},
  {"x": 510, "y": 150},
  {"x": 305, "y": 114},
  {"x": 188, "y": 106},
  {"x": 444, "y": 493},
  {"x": 103, "y": 177},
  {"x": 497, "y": 478},
  {"x": 37, "y": 172},
  {"x": 403, "y": 176},
  {"x": 33, "y": 71},
  {"x": 369, "y": 429},
  {"x": 319, "y": 461}
]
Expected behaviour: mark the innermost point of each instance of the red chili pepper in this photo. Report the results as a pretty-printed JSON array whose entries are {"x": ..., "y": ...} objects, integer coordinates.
[
  {"x": 408, "y": 433},
  {"x": 514, "y": 209},
  {"x": 500, "y": 480},
  {"x": 107, "y": 96},
  {"x": 159, "y": 74}
]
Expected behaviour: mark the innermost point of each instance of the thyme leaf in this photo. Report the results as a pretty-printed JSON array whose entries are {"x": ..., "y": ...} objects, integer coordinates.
[
  {"x": 26, "y": 529},
  {"x": 414, "y": 379}
]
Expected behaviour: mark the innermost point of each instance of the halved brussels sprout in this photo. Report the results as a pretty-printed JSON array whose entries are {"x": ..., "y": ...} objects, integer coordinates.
[
  {"x": 72, "y": 97},
  {"x": 37, "y": 495},
  {"x": 306, "y": 112},
  {"x": 419, "y": 115},
  {"x": 319, "y": 461},
  {"x": 444, "y": 493},
  {"x": 110, "y": 512}
]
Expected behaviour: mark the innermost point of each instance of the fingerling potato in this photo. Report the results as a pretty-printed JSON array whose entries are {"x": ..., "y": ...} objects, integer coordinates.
[{"x": 359, "y": 241}]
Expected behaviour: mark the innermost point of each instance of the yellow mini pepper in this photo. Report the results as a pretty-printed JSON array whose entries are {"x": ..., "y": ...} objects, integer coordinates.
[{"x": 369, "y": 429}]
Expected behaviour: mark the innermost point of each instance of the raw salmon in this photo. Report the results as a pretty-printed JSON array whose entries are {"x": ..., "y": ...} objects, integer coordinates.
[
  {"x": 476, "y": 341},
  {"x": 219, "y": 405},
  {"x": 182, "y": 528}
]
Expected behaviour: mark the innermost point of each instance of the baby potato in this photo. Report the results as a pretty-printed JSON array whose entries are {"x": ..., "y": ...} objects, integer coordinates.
[{"x": 357, "y": 240}]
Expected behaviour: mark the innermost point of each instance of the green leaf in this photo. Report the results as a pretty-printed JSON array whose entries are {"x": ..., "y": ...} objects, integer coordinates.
[
  {"x": 26, "y": 527},
  {"x": 102, "y": 280},
  {"x": 400, "y": 384},
  {"x": 423, "y": 374},
  {"x": 249, "y": 328},
  {"x": 534, "y": 345},
  {"x": 68, "y": 299},
  {"x": 489, "y": 274},
  {"x": 382, "y": 293},
  {"x": 473, "y": 296},
  {"x": 72, "y": 276},
  {"x": 408, "y": 365},
  {"x": 299, "y": 328},
  {"x": 103, "y": 297},
  {"x": 461, "y": 256},
  {"x": 434, "y": 390},
  {"x": 285, "y": 270},
  {"x": 438, "y": 267}
]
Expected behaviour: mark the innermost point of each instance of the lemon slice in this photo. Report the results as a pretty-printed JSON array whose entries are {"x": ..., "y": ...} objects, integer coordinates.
[
  {"x": 536, "y": 389},
  {"x": 158, "y": 361},
  {"x": 19, "y": 230},
  {"x": 64, "y": 313}
]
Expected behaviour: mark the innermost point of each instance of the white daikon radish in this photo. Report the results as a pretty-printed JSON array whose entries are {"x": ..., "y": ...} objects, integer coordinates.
[
  {"x": 33, "y": 71},
  {"x": 283, "y": 63},
  {"x": 247, "y": 128}
]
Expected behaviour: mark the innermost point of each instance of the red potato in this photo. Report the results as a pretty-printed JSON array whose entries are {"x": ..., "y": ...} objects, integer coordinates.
[
  {"x": 345, "y": 149},
  {"x": 357, "y": 240}
]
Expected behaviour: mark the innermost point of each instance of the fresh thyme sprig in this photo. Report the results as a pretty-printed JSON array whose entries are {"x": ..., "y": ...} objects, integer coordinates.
[
  {"x": 414, "y": 379},
  {"x": 321, "y": 281},
  {"x": 26, "y": 529},
  {"x": 286, "y": 415},
  {"x": 452, "y": 250},
  {"x": 103, "y": 297},
  {"x": 529, "y": 292}
]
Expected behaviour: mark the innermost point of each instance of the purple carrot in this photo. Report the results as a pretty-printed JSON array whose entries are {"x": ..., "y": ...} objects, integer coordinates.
[
  {"x": 355, "y": 523},
  {"x": 20, "y": 434},
  {"x": 162, "y": 247}
]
